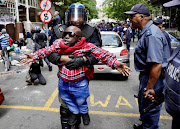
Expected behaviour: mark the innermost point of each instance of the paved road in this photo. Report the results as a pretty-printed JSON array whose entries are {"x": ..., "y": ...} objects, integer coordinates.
[{"x": 111, "y": 103}]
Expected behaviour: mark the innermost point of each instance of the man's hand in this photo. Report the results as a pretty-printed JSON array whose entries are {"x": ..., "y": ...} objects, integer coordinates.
[
  {"x": 150, "y": 94},
  {"x": 124, "y": 69},
  {"x": 26, "y": 60},
  {"x": 75, "y": 63}
]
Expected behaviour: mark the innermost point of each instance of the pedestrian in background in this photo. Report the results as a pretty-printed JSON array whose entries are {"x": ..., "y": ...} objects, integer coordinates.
[
  {"x": 28, "y": 37},
  {"x": 150, "y": 59},
  {"x": 116, "y": 27},
  {"x": 5, "y": 47},
  {"x": 128, "y": 36},
  {"x": 40, "y": 40},
  {"x": 55, "y": 21}
]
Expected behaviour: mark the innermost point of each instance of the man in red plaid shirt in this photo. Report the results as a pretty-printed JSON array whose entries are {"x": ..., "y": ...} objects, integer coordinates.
[{"x": 73, "y": 84}]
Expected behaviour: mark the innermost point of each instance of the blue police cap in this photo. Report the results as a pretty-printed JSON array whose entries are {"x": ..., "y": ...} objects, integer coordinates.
[
  {"x": 158, "y": 21},
  {"x": 128, "y": 24},
  {"x": 139, "y": 8}
]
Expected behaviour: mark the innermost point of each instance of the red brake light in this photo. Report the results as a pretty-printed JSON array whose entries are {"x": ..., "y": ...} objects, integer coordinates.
[{"x": 124, "y": 52}]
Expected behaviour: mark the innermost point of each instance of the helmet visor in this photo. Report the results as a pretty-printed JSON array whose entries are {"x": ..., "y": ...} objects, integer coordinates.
[{"x": 76, "y": 14}]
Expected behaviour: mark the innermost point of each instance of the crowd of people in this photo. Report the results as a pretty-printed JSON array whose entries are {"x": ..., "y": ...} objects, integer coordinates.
[
  {"x": 77, "y": 47},
  {"x": 124, "y": 29}
]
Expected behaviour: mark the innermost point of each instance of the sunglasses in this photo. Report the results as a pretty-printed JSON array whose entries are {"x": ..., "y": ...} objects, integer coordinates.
[{"x": 71, "y": 34}]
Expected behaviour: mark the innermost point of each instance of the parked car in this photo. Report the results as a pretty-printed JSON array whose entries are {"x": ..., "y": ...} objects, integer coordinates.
[
  {"x": 113, "y": 43},
  {"x": 174, "y": 42}
]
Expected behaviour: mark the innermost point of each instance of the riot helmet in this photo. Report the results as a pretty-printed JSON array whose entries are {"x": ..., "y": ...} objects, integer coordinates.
[
  {"x": 37, "y": 29},
  {"x": 76, "y": 15}
]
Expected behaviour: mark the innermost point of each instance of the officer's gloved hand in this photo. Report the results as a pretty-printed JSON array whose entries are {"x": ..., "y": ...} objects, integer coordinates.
[{"x": 75, "y": 63}]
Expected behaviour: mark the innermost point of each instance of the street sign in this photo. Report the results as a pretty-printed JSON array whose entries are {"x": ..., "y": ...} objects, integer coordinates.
[
  {"x": 45, "y": 5},
  {"x": 46, "y": 16}
]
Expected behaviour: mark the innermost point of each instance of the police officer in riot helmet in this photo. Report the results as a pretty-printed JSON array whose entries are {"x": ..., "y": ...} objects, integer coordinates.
[{"x": 76, "y": 15}]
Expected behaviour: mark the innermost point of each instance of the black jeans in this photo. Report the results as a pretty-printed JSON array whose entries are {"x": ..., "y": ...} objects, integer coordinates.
[{"x": 39, "y": 76}]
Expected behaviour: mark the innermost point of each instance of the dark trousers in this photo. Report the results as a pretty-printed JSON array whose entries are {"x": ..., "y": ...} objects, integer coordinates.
[
  {"x": 128, "y": 46},
  {"x": 39, "y": 76},
  {"x": 176, "y": 122},
  {"x": 150, "y": 119}
]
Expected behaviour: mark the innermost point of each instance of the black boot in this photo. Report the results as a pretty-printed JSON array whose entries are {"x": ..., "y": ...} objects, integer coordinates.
[
  {"x": 86, "y": 119},
  {"x": 64, "y": 113},
  {"x": 73, "y": 119},
  {"x": 138, "y": 126},
  {"x": 77, "y": 125}
]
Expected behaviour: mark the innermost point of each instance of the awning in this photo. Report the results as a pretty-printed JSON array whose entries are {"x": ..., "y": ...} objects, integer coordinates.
[{"x": 172, "y": 3}]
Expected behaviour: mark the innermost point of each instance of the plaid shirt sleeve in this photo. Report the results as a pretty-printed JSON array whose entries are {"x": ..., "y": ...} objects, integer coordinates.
[
  {"x": 42, "y": 53},
  {"x": 105, "y": 56}
]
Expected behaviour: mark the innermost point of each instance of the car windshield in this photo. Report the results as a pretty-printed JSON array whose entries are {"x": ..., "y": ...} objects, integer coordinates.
[{"x": 110, "y": 40}]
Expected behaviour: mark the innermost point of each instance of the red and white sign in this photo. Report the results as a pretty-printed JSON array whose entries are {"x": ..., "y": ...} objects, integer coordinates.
[
  {"x": 45, "y": 5},
  {"x": 46, "y": 16}
]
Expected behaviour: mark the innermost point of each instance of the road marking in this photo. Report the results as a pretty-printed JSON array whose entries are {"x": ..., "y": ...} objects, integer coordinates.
[
  {"x": 92, "y": 103},
  {"x": 51, "y": 99},
  {"x": 90, "y": 112},
  {"x": 120, "y": 103},
  {"x": 136, "y": 99}
]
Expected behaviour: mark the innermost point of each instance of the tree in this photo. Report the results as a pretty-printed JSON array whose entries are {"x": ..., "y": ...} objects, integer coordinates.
[{"x": 115, "y": 8}]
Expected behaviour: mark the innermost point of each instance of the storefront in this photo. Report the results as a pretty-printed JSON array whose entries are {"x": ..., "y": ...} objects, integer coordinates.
[{"x": 7, "y": 16}]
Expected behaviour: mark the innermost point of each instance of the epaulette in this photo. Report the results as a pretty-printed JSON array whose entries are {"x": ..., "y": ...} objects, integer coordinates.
[{"x": 148, "y": 32}]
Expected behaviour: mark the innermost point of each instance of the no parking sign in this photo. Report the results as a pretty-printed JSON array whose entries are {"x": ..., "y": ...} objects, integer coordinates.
[
  {"x": 46, "y": 15},
  {"x": 45, "y": 5}
]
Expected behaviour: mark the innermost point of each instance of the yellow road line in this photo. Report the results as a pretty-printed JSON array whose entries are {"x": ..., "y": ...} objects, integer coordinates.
[
  {"x": 51, "y": 99},
  {"x": 91, "y": 112},
  {"x": 24, "y": 107}
]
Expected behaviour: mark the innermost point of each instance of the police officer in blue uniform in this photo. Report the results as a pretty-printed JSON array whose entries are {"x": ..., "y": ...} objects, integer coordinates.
[
  {"x": 159, "y": 23},
  {"x": 76, "y": 15},
  {"x": 116, "y": 27},
  {"x": 171, "y": 89},
  {"x": 150, "y": 57},
  {"x": 128, "y": 36},
  {"x": 121, "y": 27}
]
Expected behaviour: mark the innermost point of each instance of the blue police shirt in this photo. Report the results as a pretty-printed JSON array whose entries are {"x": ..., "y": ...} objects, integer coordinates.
[
  {"x": 56, "y": 20},
  {"x": 152, "y": 47},
  {"x": 128, "y": 36},
  {"x": 116, "y": 28}
]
